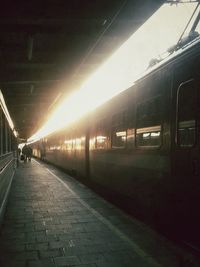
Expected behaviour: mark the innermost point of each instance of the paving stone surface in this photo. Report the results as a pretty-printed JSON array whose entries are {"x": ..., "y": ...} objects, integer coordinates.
[{"x": 53, "y": 220}]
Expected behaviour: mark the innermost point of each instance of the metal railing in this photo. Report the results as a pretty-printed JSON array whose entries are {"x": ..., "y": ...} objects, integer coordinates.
[{"x": 8, "y": 163}]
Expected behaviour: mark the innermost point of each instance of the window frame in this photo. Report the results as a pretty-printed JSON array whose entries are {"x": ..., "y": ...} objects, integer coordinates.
[
  {"x": 100, "y": 131},
  {"x": 149, "y": 128},
  {"x": 177, "y": 117},
  {"x": 119, "y": 123},
  {"x": 115, "y": 131}
]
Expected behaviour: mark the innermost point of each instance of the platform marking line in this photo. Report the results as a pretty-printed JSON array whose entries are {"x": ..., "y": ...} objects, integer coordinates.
[{"x": 106, "y": 222}]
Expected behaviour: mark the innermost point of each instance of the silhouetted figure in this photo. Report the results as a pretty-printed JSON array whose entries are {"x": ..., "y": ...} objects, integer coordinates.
[
  {"x": 27, "y": 152},
  {"x": 29, "y": 155}
]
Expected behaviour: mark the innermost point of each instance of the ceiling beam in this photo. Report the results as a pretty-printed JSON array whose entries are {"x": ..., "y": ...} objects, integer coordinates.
[
  {"x": 29, "y": 82},
  {"x": 70, "y": 26}
]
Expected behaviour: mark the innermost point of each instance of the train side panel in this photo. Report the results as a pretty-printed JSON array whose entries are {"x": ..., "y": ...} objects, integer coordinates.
[
  {"x": 137, "y": 168},
  {"x": 66, "y": 149},
  {"x": 143, "y": 145},
  {"x": 185, "y": 179}
]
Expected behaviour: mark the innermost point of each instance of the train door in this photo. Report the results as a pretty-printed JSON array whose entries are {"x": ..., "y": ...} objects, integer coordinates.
[{"x": 186, "y": 158}]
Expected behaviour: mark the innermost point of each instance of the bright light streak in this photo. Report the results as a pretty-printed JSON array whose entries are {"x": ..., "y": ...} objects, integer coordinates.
[
  {"x": 7, "y": 114},
  {"x": 21, "y": 145},
  {"x": 15, "y": 133},
  {"x": 120, "y": 71}
]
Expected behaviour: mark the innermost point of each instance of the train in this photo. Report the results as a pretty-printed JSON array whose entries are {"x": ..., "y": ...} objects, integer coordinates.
[
  {"x": 8, "y": 154},
  {"x": 143, "y": 145}
]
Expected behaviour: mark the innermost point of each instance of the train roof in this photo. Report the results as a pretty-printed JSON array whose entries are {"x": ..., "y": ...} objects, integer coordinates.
[{"x": 176, "y": 55}]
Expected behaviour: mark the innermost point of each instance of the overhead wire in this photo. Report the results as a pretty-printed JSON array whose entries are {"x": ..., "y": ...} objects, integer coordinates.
[{"x": 90, "y": 50}]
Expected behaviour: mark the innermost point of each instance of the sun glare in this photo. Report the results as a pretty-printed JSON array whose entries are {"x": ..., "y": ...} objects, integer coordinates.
[{"x": 120, "y": 71}]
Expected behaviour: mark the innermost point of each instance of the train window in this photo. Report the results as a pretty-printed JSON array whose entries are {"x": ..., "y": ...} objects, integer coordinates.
[
  {"x": 149, "y": 113},
  {"x": 119, "y": 132},
  {"x": 186, "y": 133},
  {"x": 120, "y": 119},
  {"x": 68, "y": 144},
  {"x": 101, "y": 139},
  {"x": 118, "y": 138},
  {"x": 148, "y": 136},
  {"x": 186, "y": 122},
  {"x": 55, "y": 143},
  {"x": 148, "y": 121},
  {"x": 80, "y": 143}
]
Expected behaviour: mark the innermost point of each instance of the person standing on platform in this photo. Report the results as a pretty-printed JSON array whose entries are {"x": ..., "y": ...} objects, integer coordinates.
[{"x": 27, "y": 152}]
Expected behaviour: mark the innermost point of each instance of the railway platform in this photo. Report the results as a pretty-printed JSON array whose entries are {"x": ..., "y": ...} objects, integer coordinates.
[{"x": 53, "y": 220}]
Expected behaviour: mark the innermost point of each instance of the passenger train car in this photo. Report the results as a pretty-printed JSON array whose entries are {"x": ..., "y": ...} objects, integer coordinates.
[
  {"x": 143, "y": 145},
  {"x": 8, "y": 156}
]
